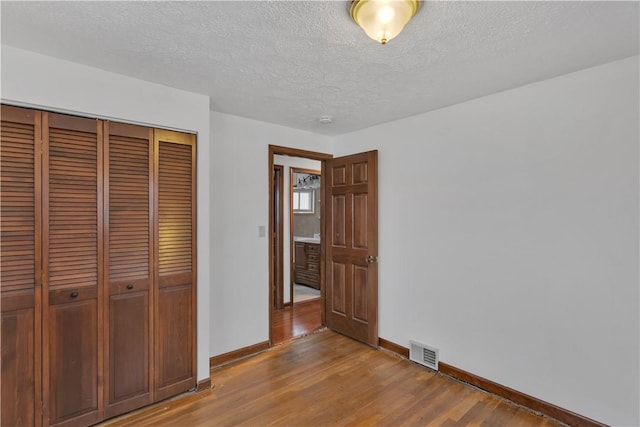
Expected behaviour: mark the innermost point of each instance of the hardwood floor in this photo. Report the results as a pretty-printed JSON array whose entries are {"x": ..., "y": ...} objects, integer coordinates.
[
  {"x": 325, "y": 379},
  {"x": 292, "y": 321}
]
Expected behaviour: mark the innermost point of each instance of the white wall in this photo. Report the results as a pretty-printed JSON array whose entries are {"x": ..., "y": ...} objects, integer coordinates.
[
  {"x": 39, "y": 81},
  {"x": 509, "y": 237},
  {"x": 240, "y": 204},
  {"x": 508, "y": 224},
  {"x": 288, "y": 163}
]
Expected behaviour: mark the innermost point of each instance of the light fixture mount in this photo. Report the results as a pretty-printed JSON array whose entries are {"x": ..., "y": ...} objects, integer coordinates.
[
  {"x": 325, "y": 120},
  {"x": 383, "y": 20}
]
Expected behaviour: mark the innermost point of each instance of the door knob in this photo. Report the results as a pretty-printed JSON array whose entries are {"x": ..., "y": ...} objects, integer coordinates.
[
  {"x": 371, "y": 259},
  {"x": 129, "y": 286}
]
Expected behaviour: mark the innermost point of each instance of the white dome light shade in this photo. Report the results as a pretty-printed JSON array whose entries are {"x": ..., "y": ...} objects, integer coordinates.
[{"x": 383, "y": 20}]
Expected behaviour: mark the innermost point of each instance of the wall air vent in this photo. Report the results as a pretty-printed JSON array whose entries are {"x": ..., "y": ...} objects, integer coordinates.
[{"x": 423, "y": 354}]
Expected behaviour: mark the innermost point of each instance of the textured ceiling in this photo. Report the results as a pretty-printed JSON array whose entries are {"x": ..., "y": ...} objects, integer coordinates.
[{"x": 290, "y": 62}]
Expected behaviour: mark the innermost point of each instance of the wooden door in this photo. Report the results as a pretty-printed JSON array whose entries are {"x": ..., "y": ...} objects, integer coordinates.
[
  {"x": 20, "y": 272},
  {"x": 351, "y": 305},
  {"x": 128, "y": 267},
  {"x": 175, "y": 340},
  {"x": 72, "y": 250}
]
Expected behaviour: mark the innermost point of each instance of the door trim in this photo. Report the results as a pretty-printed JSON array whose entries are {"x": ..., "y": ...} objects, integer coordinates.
[
  {"x": 277, "y": 239},
  {"x": 294, "y": 152}
]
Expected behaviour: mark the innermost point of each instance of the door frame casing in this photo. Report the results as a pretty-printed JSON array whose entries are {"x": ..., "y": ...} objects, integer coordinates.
[
  {"x": 294, "y": 152},
  {"x": 277, "y": 237}
]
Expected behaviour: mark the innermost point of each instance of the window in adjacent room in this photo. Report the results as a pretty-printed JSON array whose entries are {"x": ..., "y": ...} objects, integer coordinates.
[{"x": 303, "y": 201}]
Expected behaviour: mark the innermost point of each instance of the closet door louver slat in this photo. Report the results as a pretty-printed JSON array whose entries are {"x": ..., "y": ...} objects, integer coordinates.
[
  {"x": 97, "y": 267},
  {"x": 20, "y": 148},
  {"x": 128, "y": 218},
  {"x": 175, "y": 338},
  {"x": 72, "y": 253}
]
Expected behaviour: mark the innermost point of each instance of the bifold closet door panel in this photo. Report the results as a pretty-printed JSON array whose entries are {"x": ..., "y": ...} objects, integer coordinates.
[
  {"x": 20, "y": 286},
  {"x": 128, "y": 266},
  {"x": 175, "y": 338},
  {"x": 72, "y": 250}
]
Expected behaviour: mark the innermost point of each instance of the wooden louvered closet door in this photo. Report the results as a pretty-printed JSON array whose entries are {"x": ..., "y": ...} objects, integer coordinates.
[
  {"x": 175, "y": 298},
  {"x": 20, "y": 284},
  {"x": 72, "y": 232},
  {"x": 97, "y": 252},
  {"x": 128, "y": 227}
]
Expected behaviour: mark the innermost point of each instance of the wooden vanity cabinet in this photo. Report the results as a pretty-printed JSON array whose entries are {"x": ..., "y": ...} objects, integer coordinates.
[{"x": 307, "y": 264}]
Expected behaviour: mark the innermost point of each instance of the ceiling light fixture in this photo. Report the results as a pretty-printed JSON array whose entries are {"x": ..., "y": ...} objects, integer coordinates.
[{"x": 383, "y": 20}]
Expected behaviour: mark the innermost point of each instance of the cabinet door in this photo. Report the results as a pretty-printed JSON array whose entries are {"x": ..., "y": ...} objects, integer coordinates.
[
  {"x": 20, "y": 273},
  {"x": 300, "y": 258},
  {"x": 72, "y": 232},
  {"x": 128, "y": 228},
  {"x": 175, "y": 343}
]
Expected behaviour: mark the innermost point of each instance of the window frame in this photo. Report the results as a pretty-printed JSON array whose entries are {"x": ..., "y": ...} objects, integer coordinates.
[{"x": 312, "y": 199}]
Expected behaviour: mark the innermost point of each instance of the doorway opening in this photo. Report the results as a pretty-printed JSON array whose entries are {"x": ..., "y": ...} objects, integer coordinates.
[
  {"x": 348, "y": 259},
  {"x": 305, "y": 223},
  {"x": 295, "y": 251}
]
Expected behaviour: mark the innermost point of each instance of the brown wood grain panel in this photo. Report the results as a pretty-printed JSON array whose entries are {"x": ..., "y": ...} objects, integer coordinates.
[
  {"x": 129, "y": 346},
  {"x": 360, "y": 283},
  {"x": 360, "y": 225},
  {"x": 339, "y": 288},
  {"x": 175, "y": 216},
  {"x": 129, "y": 206},
  {"x": 300, "y": 256},
  {"x": 18, "y": 362},
  {"x": 338, "y": 219},
  {"x": 68, "y": 124},
  {"x": 128, "y": 201},
  {"x": 174, "y": 344},
  {"x": 20, "y": 266},
  {"x": 175, "y": 280},
  {"x": 18, "y": 115},
  {"x": 175, "y": 286},
  {"x": 72, "y": 274},
  {"x": 353, "y": 230},
  {"x": 130, "y": 131},
  {"x": 360, "y": 173},
  {"x": 17, "y": 204},
  {"x": 339, "y": 175},
  {"x": 72, "y": 153},
  {"x": 73, "y": 357}
]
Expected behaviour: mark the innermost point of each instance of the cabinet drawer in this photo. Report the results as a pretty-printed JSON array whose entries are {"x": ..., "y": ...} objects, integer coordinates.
[{"x": 312, "y": 248}]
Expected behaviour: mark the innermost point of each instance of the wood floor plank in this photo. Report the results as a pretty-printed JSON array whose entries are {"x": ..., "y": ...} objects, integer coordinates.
[
  {"x": 326, "y": 379},
  {"x": 295, "y": 320}
]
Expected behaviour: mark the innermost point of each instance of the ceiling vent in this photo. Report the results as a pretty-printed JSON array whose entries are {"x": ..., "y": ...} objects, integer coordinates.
[{"x": 424, "y": 355}]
